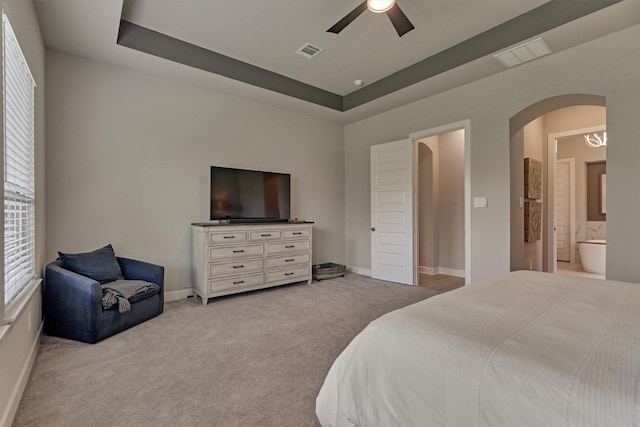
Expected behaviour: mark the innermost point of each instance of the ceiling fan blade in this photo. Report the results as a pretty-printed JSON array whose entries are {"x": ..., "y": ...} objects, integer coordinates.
[
  {"x": 341, "y": 24},
  {"x": 399, "y": 20}
]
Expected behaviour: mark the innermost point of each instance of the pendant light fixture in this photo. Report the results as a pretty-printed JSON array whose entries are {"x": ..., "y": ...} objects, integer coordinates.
[{"x": 594, "y": 140}]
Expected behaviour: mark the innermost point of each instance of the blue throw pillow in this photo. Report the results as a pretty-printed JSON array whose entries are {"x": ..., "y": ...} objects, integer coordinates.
[{"x": 100, "y": 265}]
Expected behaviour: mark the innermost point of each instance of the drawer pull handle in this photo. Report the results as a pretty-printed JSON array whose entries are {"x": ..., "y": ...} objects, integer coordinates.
[
  {"x": 229, "y": 237},
  {"x": 288, "y": 274},
  {"x": 238, "y": 282},
  {"x": 297, "y": 233},
  {"x": 290, "y": 246},
  {"x": 238, "y": 266},
  {"x": 266, "y": 235},
  {"x": 238, "y": 251},
  {"x": 289, "y": 260}
]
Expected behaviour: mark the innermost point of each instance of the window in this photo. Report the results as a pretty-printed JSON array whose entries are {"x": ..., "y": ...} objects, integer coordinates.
[{"x": 19, "y": 194}]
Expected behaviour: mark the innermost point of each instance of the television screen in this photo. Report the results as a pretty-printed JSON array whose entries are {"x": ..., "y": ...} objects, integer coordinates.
[{"x": 239, "y": 194}]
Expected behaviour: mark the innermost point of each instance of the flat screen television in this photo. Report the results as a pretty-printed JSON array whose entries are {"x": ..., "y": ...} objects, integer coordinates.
[{"x": 241, "y": 195}]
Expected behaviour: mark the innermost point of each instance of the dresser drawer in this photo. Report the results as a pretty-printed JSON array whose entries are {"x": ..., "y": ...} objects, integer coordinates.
[
  {"x": 293, "y": 273},
  {"x": 235, "y": 252},
  {"x": 236, "y": 267},
  {"x": 236, "y": 282},
  {"x": 281, "y": 261},
  {"x": 259, "y": 236},
  {"x": 294, "y": 234},
  {"x": 281, "y": 248},
  {"x": 231, "y": 237}
]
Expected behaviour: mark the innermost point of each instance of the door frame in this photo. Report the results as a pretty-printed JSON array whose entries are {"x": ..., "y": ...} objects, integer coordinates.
[
  {"x": 550, "y": 254},
  {"x": 572, "y": 211},
  {"x": 415, "y": 137}
]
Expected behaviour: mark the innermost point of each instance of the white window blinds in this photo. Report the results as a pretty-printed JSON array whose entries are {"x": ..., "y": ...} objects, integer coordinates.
[{"x": 19, "y": 209}]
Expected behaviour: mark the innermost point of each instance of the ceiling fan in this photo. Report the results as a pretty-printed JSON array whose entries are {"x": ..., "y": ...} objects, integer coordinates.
[{"x": 399, "y": 20}]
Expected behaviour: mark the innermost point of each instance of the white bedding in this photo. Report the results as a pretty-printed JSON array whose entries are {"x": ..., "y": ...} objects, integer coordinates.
[{"x": 525, "y": 349}]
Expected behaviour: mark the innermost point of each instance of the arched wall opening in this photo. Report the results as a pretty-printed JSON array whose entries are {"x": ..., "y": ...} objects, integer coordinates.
[{"x": 532, "y": 135}]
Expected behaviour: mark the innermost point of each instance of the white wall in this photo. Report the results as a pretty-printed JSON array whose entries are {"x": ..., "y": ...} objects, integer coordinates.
[
  {"x": 129, "y": 154},
  {"x": 19, "y": 340},
  {"x": 489, "y": 104}
]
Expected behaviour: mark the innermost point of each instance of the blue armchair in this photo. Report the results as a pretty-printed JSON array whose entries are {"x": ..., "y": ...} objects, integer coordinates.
[{"x": 73, "y": 303}]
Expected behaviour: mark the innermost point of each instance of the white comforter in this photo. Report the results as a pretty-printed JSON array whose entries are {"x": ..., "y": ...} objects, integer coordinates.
[{"x": 526, "y": 349}]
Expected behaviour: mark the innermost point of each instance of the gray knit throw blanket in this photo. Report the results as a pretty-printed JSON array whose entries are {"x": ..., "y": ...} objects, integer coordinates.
[{"x": 119, "y": 292}]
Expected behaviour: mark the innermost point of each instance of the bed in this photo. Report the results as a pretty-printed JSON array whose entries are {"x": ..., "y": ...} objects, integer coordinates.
[{"x": 525, "y": 349}]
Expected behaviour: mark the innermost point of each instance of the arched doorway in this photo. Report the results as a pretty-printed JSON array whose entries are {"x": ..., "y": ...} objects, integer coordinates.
[{"x": 588, "y": 112}]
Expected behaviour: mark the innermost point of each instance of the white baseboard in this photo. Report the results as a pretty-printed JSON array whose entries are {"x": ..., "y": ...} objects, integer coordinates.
[
  {"x": 358, "y": 270},
  {"x": 424, "y": 270},
  {"x": 16, "y": 394},
  {"x": 441, "y": 270},
  {"x": 451, "y": 272},
  {"x": 178, "y": 295},
  {"x": 427, "y": 270}
]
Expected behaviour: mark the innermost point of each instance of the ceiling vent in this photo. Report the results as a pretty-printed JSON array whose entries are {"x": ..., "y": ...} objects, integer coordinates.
[
  {"x": 308, "y": 51},
  {"x": 525, "y": 52}
]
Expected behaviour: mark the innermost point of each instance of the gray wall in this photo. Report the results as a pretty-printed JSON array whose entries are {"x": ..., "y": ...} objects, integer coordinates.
[
  {"x": 489, "y": 104},
  {"x": 516, "y": 188},
  {"x": 129, "y": 154}
]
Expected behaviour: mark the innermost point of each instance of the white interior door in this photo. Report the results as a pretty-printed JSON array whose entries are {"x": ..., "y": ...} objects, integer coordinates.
[
  {"x": 562, "y": 210},
  {"x": 392, "y": 251}
]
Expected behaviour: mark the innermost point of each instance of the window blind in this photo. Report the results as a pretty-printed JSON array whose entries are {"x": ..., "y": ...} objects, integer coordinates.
[{"x": 19, "y": 172}]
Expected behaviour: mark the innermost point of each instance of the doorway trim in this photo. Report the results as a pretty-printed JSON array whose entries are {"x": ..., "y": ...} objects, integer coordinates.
[
  {"x": 415, "y": 137},
  {"x": 550, "y": 235},
  {"x": 571, "y": 162}
]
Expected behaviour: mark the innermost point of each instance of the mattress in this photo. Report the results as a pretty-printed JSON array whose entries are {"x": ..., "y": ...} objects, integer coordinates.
[{"x": 525, "y": 349}]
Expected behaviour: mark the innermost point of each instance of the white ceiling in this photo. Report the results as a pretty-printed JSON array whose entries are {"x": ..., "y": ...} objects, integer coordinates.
[{"x": 267, "y": 33}]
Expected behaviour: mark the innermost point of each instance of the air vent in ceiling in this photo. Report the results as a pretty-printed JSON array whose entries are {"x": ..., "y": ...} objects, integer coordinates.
[
  {"x": 525, "y": 52},
  {"x": 308, "y": 51}
]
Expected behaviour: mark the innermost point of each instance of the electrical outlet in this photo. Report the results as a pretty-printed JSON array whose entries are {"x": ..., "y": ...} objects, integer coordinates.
[{"x": 29, "y": 321}]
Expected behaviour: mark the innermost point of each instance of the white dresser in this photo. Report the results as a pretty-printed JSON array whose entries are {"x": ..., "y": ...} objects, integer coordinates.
[{"x": 228, "y": 259}]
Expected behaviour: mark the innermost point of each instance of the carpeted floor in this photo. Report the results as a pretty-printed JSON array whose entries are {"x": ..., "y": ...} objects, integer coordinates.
[{"x": 256, "y": 359}]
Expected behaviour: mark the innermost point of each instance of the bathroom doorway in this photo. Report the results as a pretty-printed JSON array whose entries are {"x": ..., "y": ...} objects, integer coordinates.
[{"x": 583, "y": 220}]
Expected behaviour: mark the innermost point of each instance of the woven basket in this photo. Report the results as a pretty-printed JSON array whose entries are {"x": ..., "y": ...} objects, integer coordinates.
[{"x": 328, "y": 270}]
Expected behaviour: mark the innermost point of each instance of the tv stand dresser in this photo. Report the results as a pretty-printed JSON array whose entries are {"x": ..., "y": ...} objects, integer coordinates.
[{"x": 233, "y": 258}]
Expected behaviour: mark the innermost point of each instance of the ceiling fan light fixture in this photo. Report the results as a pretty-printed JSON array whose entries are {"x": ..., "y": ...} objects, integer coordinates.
[{"x": 380, "y": 6}]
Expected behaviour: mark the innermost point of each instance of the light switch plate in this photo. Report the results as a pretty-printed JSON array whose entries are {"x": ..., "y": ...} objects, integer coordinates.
[{"x": 480, "y": 202}]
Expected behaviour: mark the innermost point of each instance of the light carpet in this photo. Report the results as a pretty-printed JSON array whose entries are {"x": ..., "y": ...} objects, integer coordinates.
[{"x": 255, "y": 359}]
